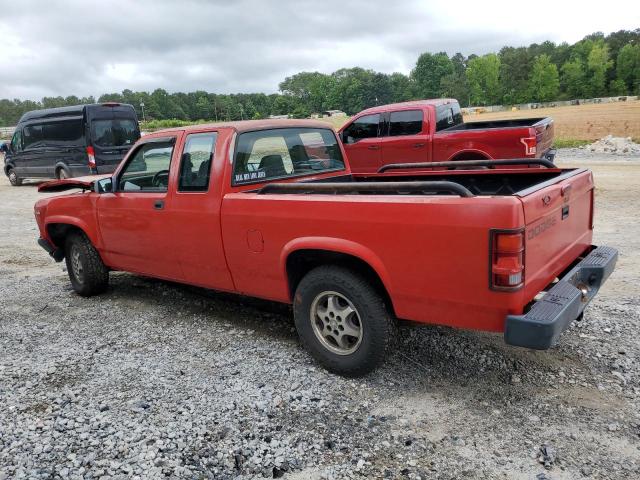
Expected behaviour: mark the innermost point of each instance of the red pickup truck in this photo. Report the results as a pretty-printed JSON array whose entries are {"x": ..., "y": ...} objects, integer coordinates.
[
  {"x": 271, "y": 209},
  {"x": 433, "y": 130}
]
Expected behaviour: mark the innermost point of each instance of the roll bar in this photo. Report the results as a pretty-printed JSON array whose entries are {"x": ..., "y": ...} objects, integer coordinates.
[{"x": 468, "y": 163}]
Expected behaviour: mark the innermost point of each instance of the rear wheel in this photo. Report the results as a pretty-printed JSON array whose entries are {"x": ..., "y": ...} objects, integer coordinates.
[
  {"x": 342, "y": 321},
  {"x": 88, "y": 274},
  {"x": 13, "y": 178},
  {"x": 62, "y": 173}
]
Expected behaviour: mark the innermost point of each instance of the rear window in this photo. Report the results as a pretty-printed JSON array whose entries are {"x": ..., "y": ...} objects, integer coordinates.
[
  {"x": 408, "y": 122},
  {"x": 448, "y": 116},
  {"x": 114, "y": 132},
  {"x": 285, "y": 152}
]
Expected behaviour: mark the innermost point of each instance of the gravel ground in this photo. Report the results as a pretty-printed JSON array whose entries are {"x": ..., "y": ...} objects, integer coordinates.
[{"x": 156, "y": 380}]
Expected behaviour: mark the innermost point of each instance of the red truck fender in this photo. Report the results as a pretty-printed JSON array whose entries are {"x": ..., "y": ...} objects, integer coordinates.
[
  {"x": 336, "y": 245},
  {"x": 91, "y": 234}
]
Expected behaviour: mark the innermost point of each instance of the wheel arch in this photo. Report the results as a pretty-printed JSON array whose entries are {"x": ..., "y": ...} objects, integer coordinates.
[
  {"x": 60, "y": 166},
  {"x": 470, "y": 154},
  {"x": 303, "y": 255},
  {"x": 7, "y": 167},
  {"x": 59, "y": 229}
]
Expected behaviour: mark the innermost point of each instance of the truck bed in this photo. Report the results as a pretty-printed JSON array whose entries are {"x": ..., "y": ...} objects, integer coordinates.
[
  {"x": 512, "y": 123},
  {"x": 462, "y": 183}
]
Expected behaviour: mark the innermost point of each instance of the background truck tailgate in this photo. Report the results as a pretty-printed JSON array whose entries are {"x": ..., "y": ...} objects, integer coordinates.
[
  {"x": 544, "y": 135},
  {"x": 558, "y": 217}
]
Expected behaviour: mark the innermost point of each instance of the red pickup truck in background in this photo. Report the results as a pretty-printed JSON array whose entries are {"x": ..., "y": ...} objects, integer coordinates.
[
  {"x": 433, "y": 130},
  {"x": 271, "y": 209}
]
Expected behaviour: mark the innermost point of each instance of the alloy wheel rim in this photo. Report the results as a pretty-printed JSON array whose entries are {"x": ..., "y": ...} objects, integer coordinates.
[{"x": 336, "y": 323}]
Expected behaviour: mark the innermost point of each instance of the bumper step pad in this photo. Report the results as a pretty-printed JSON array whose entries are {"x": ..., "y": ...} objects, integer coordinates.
[{"x": 541, "y": 326}]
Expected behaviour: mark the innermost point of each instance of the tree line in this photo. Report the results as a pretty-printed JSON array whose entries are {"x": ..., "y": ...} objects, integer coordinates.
[{"x": 598, "y": 65}]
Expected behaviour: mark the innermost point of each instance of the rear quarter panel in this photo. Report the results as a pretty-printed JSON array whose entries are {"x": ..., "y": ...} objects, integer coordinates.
[
  {"x": 489, "y": 143},
  {"x": 430, "y": 252}
]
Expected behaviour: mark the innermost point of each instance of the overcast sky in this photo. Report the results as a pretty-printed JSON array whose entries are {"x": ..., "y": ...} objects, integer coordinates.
[{"x": 86, "y": 47}]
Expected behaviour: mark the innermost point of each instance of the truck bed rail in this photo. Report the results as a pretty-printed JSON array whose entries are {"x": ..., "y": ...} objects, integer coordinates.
[
  {"x": 423, "y": 188},
  {"x": 468, "y": 163}
]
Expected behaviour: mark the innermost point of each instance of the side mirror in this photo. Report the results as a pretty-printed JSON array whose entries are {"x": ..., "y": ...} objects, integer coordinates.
[{"x": 104, "y": 185}]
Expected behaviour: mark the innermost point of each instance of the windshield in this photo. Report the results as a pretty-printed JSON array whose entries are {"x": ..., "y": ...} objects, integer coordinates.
[
  {"x": 114, "y": 132},
  {"x": 285, "y": 152}
]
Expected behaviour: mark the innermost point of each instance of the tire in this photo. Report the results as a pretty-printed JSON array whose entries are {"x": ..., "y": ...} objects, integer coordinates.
[
  {"x": 14, "y": 180},
  {"x": 62, "y": 173},
  {"x": 88, "y": 275},
  {"x": 318, "y": 320}
]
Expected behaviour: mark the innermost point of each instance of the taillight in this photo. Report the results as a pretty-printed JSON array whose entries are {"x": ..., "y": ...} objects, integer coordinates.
[
  {"x": 92, "y": 156},
  {"x": 530, "y": 144},
  {"x": 506, "y": 259}
]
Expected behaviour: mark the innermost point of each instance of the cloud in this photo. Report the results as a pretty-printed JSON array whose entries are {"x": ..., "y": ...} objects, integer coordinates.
[{"x": 81, "y": 48}]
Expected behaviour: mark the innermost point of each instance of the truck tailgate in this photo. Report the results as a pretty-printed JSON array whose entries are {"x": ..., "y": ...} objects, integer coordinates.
[
  {"x": 544, "y": 135},
  {"x": 558, "y": 217}
]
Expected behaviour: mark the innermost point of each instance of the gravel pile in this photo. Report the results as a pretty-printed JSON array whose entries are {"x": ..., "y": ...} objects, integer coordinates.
[
  {"x": 615, "y": 145},
  {"x": 157, "y": 380}
]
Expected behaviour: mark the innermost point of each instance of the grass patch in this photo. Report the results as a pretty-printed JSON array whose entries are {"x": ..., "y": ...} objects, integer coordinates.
[
  {"x": 570, "y": 143},
  {"x": 169, "y": 123}
]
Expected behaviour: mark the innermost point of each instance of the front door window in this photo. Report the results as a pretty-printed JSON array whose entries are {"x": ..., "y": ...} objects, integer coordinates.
[{"x": 148, "y": 169}]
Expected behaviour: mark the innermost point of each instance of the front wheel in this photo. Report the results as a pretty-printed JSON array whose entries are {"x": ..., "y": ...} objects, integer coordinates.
[
  {"x": 342, "y": 321},
  {"x": 88, "y": 274},
  {"x": 14, "y": 179}
]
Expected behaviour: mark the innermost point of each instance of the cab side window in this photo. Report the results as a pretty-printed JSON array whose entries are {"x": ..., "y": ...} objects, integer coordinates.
[
  {"x": 195, "y": 165},
  {"x": 363, "y": 127},
  {"x": 407, "y": 122},
  {"x": 148, "y": 169}
]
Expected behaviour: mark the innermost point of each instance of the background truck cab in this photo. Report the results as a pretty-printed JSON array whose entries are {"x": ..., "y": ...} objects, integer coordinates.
[
  {"x": 433, "y": 130},
  {"x": 71, "y": 141}
]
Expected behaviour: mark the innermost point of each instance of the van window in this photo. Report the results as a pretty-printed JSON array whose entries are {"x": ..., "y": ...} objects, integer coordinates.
[
  {"x": 285, "y": 152},
  {"x": 196, "y": 162},
  {"x": 53, "y": 132},
  {"x": 32, "y": 136},
  {"x": 447, "y": 116},
  {"x": 408, "y": 122},
  {"x": 16, "y": 141},
  {"x": 64, "y": 131},
  {"x": 363, "y": 127},
  {"x": 114, "y": 132},
  {"x": 148, "y": 169}
]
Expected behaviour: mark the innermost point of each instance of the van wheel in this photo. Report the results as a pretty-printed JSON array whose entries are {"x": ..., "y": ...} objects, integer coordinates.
[
  {"x": 62, "y": 173},
  {"x": 342, "y": 321},
  {"x": 14, "y": 179},
  {"x": 88, "y": 275}
]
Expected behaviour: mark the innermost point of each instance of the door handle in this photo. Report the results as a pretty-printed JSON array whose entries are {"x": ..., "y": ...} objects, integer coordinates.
[
  {"x": 373, "y": 147},
  {"x": 418, "y": 145},
  {"x": 158, "y": 204}
]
